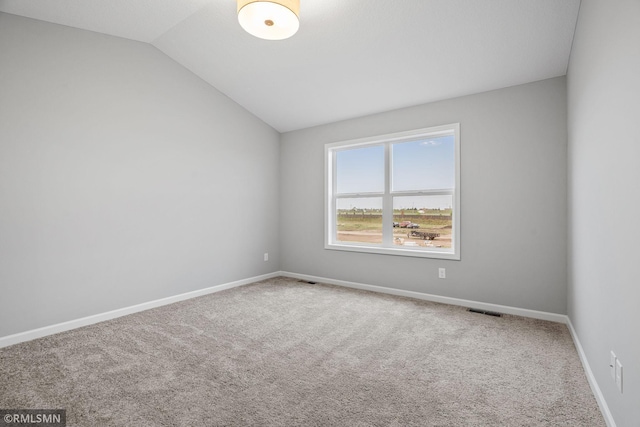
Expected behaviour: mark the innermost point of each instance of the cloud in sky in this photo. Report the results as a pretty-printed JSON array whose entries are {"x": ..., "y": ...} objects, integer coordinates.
[{"x": 431, "y": 143}]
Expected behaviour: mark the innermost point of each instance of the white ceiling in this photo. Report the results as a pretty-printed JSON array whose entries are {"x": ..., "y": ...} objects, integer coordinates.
[{"x": 350, "y": 57}]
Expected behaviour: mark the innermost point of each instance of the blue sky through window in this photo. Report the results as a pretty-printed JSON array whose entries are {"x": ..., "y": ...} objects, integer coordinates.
[
  {"x": 424, "y": 164},
  {"x": 427, "y": 164},
  {"x": 360, "y": 170}
]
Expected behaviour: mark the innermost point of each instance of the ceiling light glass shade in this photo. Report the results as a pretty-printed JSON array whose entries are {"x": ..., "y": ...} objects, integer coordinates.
[{"x": 270, "y": 20}]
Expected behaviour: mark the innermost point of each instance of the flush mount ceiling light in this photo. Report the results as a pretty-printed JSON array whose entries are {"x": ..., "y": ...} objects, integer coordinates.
[{"x": 270, "y": 20}]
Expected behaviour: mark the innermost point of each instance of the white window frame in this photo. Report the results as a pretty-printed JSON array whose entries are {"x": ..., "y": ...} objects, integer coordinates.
[{"x": 387, "y": 247}]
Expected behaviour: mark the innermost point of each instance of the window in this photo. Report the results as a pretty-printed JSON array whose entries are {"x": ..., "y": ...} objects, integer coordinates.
[{"x": 395, "y": 194}]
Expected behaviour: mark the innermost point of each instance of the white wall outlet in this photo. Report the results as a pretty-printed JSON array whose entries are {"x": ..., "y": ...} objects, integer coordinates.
[
  {"x": 442, "y": 273},
  {"x": 266, "y": 256},
  {"x": 619, "y": 375},
  {"x": 612, "y": 366}
]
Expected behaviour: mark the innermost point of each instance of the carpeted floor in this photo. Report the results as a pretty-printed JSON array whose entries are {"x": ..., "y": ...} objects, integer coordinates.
[{"x": 286, "y": 353}]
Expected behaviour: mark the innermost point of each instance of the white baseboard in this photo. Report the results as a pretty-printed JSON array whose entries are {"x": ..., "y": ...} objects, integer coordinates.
[
  {"x": 101, "y": 317},
  {"x": 89, "y": 320},
  {"x": 542, "y": 315},
  {"x": 96, "y": 318},
  {"x": 595, "y": 388}
]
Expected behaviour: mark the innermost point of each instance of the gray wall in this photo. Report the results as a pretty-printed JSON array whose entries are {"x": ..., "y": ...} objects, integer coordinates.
[
  {"x": 604, "y": 201},
  {"x": 123, "y": 178},
  {"x": 514, "y": 217}
]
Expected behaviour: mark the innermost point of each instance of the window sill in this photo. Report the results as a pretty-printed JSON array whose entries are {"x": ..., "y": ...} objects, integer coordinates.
[{"x": 434, "y": 253}]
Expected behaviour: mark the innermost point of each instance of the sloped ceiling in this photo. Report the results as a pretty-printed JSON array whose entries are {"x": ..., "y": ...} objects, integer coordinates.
[{"x": 350, "y": 57}]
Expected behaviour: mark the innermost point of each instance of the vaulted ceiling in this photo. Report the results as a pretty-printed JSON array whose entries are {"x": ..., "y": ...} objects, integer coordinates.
[{"x": 350, "y": 57}]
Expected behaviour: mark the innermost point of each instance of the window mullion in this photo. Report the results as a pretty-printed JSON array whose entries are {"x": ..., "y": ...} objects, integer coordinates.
[{"x": 387, "y": 200}]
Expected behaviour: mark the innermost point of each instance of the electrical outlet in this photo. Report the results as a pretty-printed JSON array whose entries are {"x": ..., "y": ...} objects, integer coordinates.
[
  {"x": 612, "y": 366},
  {"x": 266, "y": 256},
  {"x": 619, "y": 375},
  {"x": 442, "y": 273}
]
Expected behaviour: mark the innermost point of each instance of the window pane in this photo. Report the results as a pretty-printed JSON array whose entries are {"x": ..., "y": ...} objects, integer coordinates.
[
  {"x": 424, "y": 221},
  {"x": 359, "y": 220},
  {"x": 360, "y": 170},
  {"x": 427, "y": 164}
]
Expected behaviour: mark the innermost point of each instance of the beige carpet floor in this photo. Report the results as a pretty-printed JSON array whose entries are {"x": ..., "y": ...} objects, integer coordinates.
[{"x": 287, "y": 353}]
